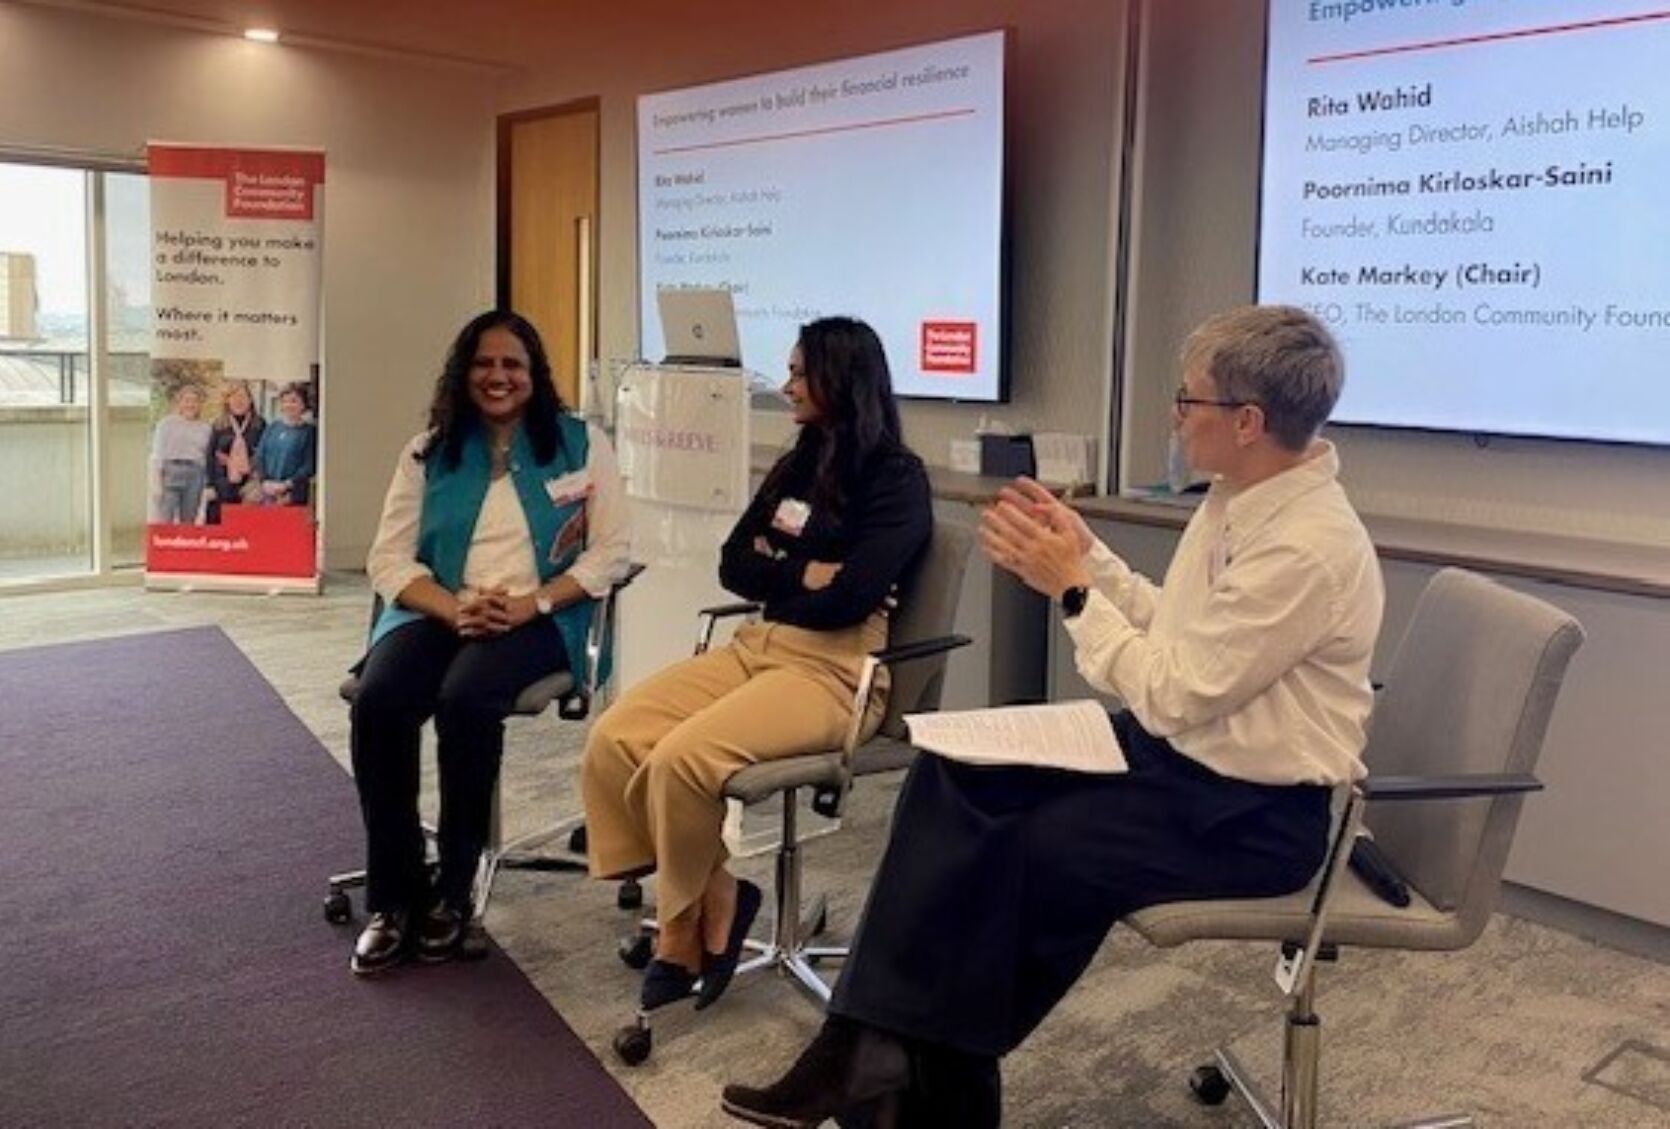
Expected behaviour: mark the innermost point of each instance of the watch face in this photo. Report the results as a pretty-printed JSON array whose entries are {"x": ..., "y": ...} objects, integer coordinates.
[{"x": 1072, "y": 600}]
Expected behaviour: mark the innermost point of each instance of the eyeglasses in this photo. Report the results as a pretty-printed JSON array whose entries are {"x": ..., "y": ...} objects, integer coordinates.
[{"x": 1184, "y": 401}]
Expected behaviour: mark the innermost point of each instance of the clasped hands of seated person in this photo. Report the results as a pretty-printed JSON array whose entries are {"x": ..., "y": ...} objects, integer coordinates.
[
  {"x": 818, "y": 574},
  {"x": 1035, "y": 535},
  {"x": 491, "y": 611}
]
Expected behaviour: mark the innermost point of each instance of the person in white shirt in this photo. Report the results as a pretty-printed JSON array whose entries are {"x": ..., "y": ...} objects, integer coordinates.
[
  {"x": 505, "y": 522},
  {"x": 1245, "y": 678},
  {"x": 179, "y": 459}
]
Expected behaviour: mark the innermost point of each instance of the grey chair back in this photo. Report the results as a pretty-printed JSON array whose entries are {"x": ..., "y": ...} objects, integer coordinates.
[
  {"x": 928, "y": 609},
  {"x": 1469, "y": 691}
]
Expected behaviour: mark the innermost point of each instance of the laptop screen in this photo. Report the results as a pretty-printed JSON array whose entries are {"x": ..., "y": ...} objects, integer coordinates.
[{"x": 698, "y": 326}]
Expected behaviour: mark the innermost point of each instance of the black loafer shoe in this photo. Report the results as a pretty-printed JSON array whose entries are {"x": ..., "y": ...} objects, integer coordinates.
[
  {"x": 848, "y": 1070},
  {"x": 718, "y": 968},
  {"x": 665, "y": 983},
  {"x": 440, "y": 932},
  {"x": 384, "y": 943}
]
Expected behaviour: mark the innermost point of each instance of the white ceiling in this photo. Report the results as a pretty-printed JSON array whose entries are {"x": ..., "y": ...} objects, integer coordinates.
[{"x": 518, "y": 34}]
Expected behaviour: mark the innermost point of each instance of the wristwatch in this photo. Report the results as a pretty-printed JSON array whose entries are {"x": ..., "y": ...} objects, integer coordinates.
[
  {"x": 1072, "y": 600},
  {"x": 542, "y": 603}
]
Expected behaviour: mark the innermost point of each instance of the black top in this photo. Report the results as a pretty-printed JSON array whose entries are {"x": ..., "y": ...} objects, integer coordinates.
[{"x": 877, "y": 540}]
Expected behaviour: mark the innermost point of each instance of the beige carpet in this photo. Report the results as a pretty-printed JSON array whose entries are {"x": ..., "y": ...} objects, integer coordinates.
[{"x": 1530, "y": 1028}]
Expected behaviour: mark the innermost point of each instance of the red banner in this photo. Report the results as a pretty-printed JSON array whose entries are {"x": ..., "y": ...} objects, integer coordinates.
[{"x": 232, "y": 484}]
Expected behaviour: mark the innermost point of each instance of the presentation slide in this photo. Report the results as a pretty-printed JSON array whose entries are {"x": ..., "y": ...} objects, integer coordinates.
[
  {"x": 871, "y": 187},
  {"x": 1472, "y": 193}
]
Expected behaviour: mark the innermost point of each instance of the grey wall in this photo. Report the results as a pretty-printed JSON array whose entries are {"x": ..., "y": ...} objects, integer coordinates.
[
  {"x": 1065, "y": 90},
  {"x": 408, "y": 252},
  {"x": 1193, "y": 244}
]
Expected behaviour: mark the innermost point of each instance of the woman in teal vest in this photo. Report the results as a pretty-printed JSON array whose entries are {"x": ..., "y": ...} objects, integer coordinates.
[{"x": 505, "y": 522}]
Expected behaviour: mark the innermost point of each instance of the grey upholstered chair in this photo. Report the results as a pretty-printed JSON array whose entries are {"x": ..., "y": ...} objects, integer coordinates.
[
  {"x": 919, "y": 642},
  {"x": 1461, "y": 720},
  {"x": 574, "y": 703}
]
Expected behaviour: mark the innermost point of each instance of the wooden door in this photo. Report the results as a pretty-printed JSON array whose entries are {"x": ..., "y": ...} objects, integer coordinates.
[{"x": 548, "y": 174}]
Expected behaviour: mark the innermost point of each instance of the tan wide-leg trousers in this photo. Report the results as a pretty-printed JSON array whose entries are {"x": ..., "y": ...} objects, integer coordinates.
[{"x": 657, "y": 759}]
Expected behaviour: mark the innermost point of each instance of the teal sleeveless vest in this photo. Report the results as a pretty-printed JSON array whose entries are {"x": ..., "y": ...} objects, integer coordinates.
[{"x": 452, "y": 499}]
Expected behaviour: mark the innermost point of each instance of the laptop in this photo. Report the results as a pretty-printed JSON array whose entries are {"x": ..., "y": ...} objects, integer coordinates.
[{"x": 698, "y": 327}]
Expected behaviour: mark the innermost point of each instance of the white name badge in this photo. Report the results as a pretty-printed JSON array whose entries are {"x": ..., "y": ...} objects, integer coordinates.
[
  {"x": 791, "y": 516},
  {"x": 571, "y": 487}
]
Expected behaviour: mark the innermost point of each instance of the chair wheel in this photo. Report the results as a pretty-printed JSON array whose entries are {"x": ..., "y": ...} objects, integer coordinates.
[
  {"x": 630, "y": 895},
  {"x": 635, "y": 951},
  {"x": 633, "y": 1044},
  {"x": 338, "y": 909},
  {"x": 577, "y": 840},
  {"x": 1209, "y": 1085}
]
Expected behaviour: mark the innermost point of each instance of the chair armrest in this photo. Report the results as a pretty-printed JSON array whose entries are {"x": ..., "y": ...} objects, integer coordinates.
[
  {"x": 1449, "y": 787},
  {"x": 831, "y": 801},
  {"x": 576, "y": 706},
  {"x": 1296, "y": 968},
  {"x": 707, "y": 618},
  {"x": 724, "y": 611},
  {"x": 921, "y": 649},
  {"x": 633, "y": 571}
]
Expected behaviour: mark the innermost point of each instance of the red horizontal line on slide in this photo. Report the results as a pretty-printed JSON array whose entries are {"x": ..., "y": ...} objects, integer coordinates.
[
  {"x": 1472, "y": 40},
  {"x": 880, "y": 123}
]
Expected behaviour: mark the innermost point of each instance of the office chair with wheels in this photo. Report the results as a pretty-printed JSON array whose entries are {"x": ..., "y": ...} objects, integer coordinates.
[
  {"x": 1462, "y": 718},
  {"x": 919, "y": 643},
  {"x": 574, "y": 702}
]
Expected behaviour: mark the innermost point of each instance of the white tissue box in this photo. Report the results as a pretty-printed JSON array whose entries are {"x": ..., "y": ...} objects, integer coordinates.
[
  {"x": 965, "y": 455},
  {"x": 1065, "y": 459}
]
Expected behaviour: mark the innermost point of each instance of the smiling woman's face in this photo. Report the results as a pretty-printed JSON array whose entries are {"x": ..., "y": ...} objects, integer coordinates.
[
  {"x": 798, "y": 389},
  {"x": 501, "y": 383}
]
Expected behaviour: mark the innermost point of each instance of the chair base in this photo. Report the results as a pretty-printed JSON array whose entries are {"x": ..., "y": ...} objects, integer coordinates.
[
  {"x": 1234, "y": 1077},
  {"x": 793, "y": 957},
  {"x": 515, "y": 855},
  {"x": 796, "y": 960}
]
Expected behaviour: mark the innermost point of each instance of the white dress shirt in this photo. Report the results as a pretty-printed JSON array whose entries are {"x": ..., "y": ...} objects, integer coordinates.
[
  {"x": 501, "y": 551},
  {"x": 1253, "y": 658}
]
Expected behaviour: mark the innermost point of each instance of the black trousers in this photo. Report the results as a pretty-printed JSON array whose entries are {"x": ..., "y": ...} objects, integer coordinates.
[
  {"x": 415, "y": 672},
  {"x": 999, "y": 884}
]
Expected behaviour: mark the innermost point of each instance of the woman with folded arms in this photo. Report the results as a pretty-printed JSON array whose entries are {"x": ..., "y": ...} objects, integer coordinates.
[
  {"x": 504, "y": 524},
  {"x": 835, "y": 529}
]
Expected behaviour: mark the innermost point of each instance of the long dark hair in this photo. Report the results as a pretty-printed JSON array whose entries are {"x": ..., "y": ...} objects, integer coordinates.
[
  {"x": 453, "y": 415},
  {"x": 848, "y": 380}
]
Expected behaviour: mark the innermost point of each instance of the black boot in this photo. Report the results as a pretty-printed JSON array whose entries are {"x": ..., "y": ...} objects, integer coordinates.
[
  {"x": 849, "y": 1067},
  {"x": 952, "y": 1089}
]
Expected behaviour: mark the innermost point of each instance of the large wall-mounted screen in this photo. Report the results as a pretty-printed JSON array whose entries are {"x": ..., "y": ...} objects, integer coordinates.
[
  {"x": 871, "y": 187},
  {"x": 1473, "y": 193}
]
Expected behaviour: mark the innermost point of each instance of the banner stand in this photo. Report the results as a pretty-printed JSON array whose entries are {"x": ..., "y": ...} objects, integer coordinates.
[
  {"x": 220, "y": 582},
  {"x": 232, "y": 479}
]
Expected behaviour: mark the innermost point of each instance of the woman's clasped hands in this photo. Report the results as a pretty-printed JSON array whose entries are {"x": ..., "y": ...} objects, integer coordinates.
[{"x": 491, "y": 611}]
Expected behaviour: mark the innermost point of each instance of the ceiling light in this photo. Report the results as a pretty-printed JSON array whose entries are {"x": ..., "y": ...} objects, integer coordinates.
[{"x": 261, "y": 34}]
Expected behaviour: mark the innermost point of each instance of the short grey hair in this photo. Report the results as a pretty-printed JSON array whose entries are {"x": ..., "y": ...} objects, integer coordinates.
[{"x": 1278, "y": 357}]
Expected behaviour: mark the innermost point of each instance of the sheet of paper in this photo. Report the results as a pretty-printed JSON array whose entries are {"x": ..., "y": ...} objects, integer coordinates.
[{"x": 1076, "y": 736}]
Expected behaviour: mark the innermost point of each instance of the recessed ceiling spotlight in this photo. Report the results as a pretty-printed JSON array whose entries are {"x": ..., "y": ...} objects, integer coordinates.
[{"x": 261, "y": 34}]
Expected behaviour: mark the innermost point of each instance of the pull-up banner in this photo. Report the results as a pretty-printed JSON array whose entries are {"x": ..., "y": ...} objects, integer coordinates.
[{"x": 233, "y": 470}]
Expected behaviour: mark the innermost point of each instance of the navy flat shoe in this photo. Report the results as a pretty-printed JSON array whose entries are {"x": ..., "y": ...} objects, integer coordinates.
[
  {"x": 718, "y": 968},
  {"x": 665, "y": 983}
]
